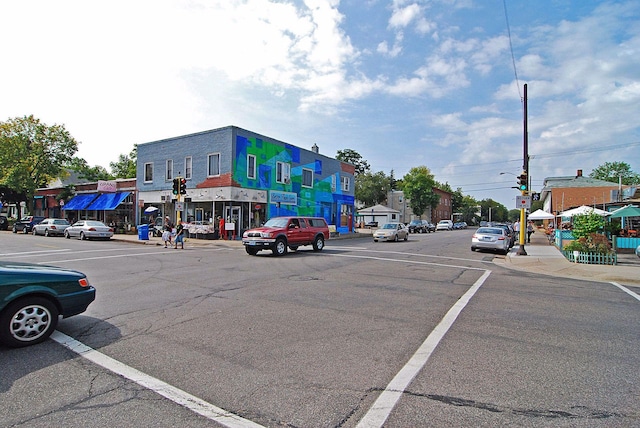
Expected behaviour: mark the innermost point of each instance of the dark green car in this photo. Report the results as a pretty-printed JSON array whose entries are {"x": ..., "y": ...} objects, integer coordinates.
[{"x": 32, "y": 297}]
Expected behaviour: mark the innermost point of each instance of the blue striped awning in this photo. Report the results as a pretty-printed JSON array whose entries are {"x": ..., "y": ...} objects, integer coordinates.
[
  {"x": 80, "y": 202},
  {"x": 108, "y": 201}
]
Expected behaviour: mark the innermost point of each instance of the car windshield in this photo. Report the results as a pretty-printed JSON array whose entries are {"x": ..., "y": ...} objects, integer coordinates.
[
  {"x": 415, "y": 222},
  {"x": 389, "y": 226},
  {"x": 277, "y": 222},
  {"x": 490, "y": 230}
]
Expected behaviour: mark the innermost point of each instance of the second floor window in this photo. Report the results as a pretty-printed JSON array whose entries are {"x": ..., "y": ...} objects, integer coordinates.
[
  {"x": 187, "y": 167},
  {"x": 148, "y": 172},
  {"x": 251, "y": 166},
  {"x": 345, "y": 184},
  {"x": 283, "y": 172},
  {"x": 169, "y": 175},
  {"x": 213, "y": 164},
  {"x": 307, "y": 177}
]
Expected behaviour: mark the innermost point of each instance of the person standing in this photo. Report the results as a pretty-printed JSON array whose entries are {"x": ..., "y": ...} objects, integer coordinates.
[
  {"x": 221, "y": 227},
  {"x": 168, "y": 227},
  {"x": 179, "y": 236}
]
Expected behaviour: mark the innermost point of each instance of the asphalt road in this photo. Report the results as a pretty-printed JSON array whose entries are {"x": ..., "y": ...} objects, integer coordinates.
[{"x": 422, "y": 333}]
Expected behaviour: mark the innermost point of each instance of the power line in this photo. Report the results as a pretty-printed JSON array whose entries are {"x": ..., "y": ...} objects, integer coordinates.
[{"x": 513, "y": 58}]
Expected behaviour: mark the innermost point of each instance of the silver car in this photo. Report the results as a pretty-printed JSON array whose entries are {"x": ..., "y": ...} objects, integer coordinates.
[
  {"x": 391, "y": 232},
  {"x": 491, "y": 238},
  {"x": 51, "y": 227},
  {"x": 88, "y": 229}
]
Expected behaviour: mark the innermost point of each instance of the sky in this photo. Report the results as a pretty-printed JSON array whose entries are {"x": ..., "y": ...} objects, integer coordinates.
[{"x": 405, "y": 83}]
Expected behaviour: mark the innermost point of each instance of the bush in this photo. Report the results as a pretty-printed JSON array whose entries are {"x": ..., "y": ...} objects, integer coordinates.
[{"x": 593, "y": 243}]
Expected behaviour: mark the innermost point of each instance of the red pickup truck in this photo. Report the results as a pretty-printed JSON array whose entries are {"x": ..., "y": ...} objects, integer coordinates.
[{"x": 280, "y": 233}]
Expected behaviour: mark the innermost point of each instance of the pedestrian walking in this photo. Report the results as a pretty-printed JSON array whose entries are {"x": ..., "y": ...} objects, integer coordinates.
[
  {"x": 530, "y": 231},
  {"x": 167, "y": 231},
  {"x": 179, "y": 236}
]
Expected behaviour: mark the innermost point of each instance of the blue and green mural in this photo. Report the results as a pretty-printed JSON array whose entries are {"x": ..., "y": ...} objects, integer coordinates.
[{"x": 324, "y": 198}]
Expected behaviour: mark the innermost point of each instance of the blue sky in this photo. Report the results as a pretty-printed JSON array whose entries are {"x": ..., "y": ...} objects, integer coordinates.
[{"x": 404, "y": 83}]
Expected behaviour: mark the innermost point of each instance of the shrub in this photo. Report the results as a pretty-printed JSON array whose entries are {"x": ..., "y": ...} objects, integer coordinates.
[{"x": 592, "y": 243}]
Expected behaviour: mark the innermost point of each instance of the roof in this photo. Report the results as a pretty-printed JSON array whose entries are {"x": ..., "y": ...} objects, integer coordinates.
[
  {"x": 377, "y": 209},
  {"x": 575, "y": 181}
]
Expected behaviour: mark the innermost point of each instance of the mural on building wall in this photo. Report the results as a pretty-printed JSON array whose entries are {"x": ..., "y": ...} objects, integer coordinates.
[{"x": 323, "y": 198}]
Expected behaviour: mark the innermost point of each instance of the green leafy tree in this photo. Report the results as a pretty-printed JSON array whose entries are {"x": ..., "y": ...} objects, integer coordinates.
[
  {"x": 32, "y": 154},
  {"x": 354, "y": 158},
  {"x": 418, "y": 188},
  {"x": 372, "y": 189},
  {"x": 468, "y": 208},
  {"x": 90, "y": 173},
  {"x": 586, "y": 230},
  {"x": 125, "y": 167},
  {"x": 499, "y": 212},
  {"x": 612, "y": 171}
]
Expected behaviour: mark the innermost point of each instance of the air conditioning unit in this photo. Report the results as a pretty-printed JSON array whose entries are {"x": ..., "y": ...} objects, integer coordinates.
[{"x": 287, "y": 180}]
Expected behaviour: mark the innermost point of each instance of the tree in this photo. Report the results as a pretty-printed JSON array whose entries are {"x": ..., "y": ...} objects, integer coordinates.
[
  {"x": 354, "y": 158},
  {"x": 125, "y": 167},
  {"x": 90, "y": 173},
  {"x": 612, "y": 171},
  {"x": 32, "y": 154},
  {"x": 418, "y": 188},
  {"x": 371, "y": 189}
]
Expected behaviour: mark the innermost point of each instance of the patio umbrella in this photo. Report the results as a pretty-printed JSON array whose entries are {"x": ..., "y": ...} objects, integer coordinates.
[
  {"x": 541, "y": 215},
  {"x": 583, "y": 210},
  {"x": 627, "y": 211},
  {"x": 150, "y": 210}
]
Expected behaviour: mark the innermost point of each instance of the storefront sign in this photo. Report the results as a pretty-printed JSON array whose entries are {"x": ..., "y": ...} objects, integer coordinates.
[
  {"x": 287, "y": 198},
  {"x": 107, "y": 186}
]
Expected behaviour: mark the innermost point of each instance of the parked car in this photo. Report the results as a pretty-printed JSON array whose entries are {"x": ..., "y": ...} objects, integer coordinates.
[
  {"x": 490, "y": 238},
  {"x": 26, "y": 223},
  {"x": 460, "y": 225},
  {"x": 51, "y": 227},
  {"x": 391, "y": 232},
  {"x": 444, "y": 225},
  {"x": 419, "y": 226},
  {"x": 280, "y": 233},
  {"x": 4, "y": 223},
  {"x": 88, "y": 229},
  {"x": 371, "y": 224},
  {"x": 510, "y": 232},
  {"x": 33, "y": 296}
]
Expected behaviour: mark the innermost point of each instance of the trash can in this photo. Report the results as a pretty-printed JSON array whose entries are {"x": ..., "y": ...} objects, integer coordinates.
[{"x": 143, "y": 232}]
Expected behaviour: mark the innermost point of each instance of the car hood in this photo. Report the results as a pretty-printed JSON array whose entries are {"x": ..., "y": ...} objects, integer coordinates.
[{"x": 20, "y": 268}]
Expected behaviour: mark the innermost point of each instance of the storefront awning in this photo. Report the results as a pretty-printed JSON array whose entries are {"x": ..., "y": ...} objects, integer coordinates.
[
  {"x": 108, "y": 201},
  {"x": 80, "y": 202}
]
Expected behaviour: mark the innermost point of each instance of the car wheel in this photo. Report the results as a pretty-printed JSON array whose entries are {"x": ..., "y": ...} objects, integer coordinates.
[
  {"x": 318, "y": 244},
  {"x": 375, "y": 240},
  {"x": 66, "y": 235},
  {"x": 251, "y": 251},
  {"x": 280, "y": 249},
  {"x": 25, "y": 230},
  {"x": 33, "y": 231},
  {"x": 395, "y": 238},
  {"x": 82, "y": 237},
  {"x": 28, "y": 321},
  {"x": 473, "y": 248},
  {"x": 46, "y": 233},
  {"x": 406, "y": 237}
]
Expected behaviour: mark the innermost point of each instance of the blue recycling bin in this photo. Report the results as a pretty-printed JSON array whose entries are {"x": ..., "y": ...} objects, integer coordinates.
[{"x": 143, "y": 232}]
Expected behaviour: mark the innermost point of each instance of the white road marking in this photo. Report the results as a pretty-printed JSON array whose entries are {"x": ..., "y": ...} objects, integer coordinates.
[
  {"x": 382, "y": 407},
  {"x": 626, "y": 290},
  {"x": 415, "y": 262},
  {"x": 172, "y": 393}
]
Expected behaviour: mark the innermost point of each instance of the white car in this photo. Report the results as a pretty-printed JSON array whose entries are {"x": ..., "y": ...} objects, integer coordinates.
[
  {"x": 444, "y": 225},
  {"x": 391, "y": 232},
  {"x": 88, "y": 229}
]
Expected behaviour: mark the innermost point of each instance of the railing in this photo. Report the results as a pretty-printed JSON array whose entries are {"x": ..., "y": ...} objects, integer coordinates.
[{"x": 591, "y": 258}]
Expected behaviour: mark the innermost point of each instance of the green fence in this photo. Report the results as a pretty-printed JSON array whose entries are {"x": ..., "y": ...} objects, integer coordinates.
[{"x": 591, "y": 258}]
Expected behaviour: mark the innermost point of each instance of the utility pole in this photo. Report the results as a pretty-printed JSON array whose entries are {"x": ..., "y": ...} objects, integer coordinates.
[{"x": 525, "y": 168}]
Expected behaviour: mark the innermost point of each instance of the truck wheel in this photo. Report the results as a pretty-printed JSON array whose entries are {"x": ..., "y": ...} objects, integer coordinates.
[
  {"x": 251, "y": 251},
  {"x": 318, "y": 243},
  {"x": 280, "y": 249},
  {"x": 28, "y": 321}
]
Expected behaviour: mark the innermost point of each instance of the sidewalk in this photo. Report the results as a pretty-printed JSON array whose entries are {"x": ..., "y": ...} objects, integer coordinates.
[{"x": 544, "y": 258}]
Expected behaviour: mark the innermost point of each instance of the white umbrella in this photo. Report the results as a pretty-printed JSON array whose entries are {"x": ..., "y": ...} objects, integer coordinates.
[
  {"x": 583, "y": 210},
  {"x": 541, "y": 215},
  {"x": 150, "y": 210}
]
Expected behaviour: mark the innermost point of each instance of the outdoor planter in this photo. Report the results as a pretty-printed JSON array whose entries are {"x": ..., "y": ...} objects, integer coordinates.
[{"x": 591, "y": 258}]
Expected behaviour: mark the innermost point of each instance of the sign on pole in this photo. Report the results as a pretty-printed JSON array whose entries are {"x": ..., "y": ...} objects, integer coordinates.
[{"x": 523, "y": 202}]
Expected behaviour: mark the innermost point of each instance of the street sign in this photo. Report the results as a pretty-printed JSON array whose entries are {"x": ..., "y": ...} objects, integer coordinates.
[{"x": 523, "y": 202}]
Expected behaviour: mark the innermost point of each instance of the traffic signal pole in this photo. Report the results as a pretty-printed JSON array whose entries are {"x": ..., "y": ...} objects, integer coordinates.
[{"x": 525, "y": 168}]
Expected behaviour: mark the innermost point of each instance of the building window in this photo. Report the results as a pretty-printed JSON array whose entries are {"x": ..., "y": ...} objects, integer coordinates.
[
  {"x": 169, "y": 173},
  {"x": 214, "y": 164},
  {"x": 187, "y": 167},
  {"x": 345, "y": 184},
  {"x": 251, "y": 167},
  {"x": 283, "y": 172},
  {"x": 307, "y": 177},
  {"x": 148, "y": 172}
]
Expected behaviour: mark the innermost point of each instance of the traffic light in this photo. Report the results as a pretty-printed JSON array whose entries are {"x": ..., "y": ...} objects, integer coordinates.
[
  {"x": 176, "y": 186},
  {"x": 523, "y": 183},
  {"x": 183, "y": 186}
]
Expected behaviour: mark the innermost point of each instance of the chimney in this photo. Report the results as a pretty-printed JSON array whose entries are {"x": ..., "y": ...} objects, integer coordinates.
[
  {"x": 315, "y": 148},
  {"x": 579, "y": 173}
]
